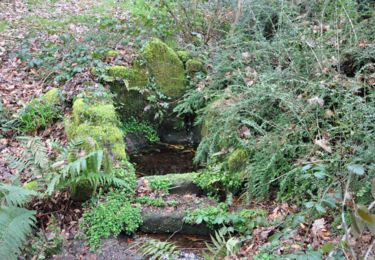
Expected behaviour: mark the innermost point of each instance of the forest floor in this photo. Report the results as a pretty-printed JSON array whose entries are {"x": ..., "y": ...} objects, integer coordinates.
[{"x": 23, "y": 29}]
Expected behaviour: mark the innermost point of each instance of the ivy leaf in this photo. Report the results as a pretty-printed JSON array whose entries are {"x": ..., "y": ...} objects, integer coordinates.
[
  {"x": 199, "y": 220},
  {"x": 356, "y": 169}
]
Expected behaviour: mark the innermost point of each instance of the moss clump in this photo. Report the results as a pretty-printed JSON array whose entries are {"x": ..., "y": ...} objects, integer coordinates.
[
  {"x": 53, "y": 97},
  {"x": 194, "y": 65},
  {"x": 184, "y": 56},
  {"x": 103, "y": 136},
  {"x": 97, "y": 125},
  {"x": 112, "y": 53},
  {"x": 166, "y": 67},
  {"x": 120, "y": 72},
  {"x": 98, "y": 114},
  {"x": 237, "y": 160}
]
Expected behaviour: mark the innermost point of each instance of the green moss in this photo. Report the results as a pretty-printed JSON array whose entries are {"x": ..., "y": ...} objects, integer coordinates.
[
  {"x": 97, "y": 124},
  {"x": 130, "y": 100},
  {"x": 106, "y": 135},
  {"x": 99, "y": 113},
  {"x": 53, "y": 96},
  {"x": 184, "y": 56},
  {"x": 167, "y": 69},
  {"x": 112, "y": 53},
  {"x": 237, "y": 160},
  {"x": 194, "y": 65},
  {"x": 120, "y": 72}
]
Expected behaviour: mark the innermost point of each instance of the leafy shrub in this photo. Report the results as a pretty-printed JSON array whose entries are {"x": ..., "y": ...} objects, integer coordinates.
[
  {"x": 110, "y": 217},
  {"x": 134, "y": 126},
  {"x": 160, "y": 183}
]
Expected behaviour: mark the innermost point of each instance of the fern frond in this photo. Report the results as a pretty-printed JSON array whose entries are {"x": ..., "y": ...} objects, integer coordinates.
[
  {"x": 159, "y": 249},
  {"x": 14, "y": 195},
  {"x": 221, "y": 247},
  {"x": 34, "y": 156},
  {"x": 15, "y": 224}
]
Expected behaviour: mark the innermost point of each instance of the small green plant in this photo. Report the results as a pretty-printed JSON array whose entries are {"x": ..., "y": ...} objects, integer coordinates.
[
  {"x": 38, "y": 114},
  {"x": 242, "y": 222},
  {"x": 160, "y": 183},
  {"x": 110, "y": 217},
  {"x": 215, "y": 180},
  {"x": 158, "y": 202},
  {"x": 46, "y": 243},
  {"x": 221, "y": 246},
  {"x": 157, "y": 249},
  {"x": 134, "y": 126}
]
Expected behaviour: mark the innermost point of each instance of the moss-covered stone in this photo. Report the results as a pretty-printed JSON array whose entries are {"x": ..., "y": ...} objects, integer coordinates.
[
  {"x": 100, "y": 113},
  {"x": 194, "y": 65},
  {"x": 130, "y": 89},
  {"x": 97, "y": 125},
  {"x": 105, "y": 135},
  {"x": 121, "y": 72},
  {"x": 184, "y": 56},
  {"x": 237, "y": 160},
  {"x": 166, "y": 67}
]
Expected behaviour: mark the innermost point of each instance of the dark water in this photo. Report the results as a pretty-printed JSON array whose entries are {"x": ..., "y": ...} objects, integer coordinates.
[{"x": 163, "y": 159}]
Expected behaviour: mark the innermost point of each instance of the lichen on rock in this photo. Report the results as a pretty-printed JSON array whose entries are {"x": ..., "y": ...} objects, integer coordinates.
[{"x": 166, "y": 67}]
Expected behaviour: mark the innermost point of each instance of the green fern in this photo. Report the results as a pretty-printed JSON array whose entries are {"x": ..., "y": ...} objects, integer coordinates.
[
  {"x": 15, "y": 224},
  {"x": 34, "y": 157},
  {"x": 159, "y": 249},
  {"x": 221, "y": 247},
  {"x": 12, "y": 195}
]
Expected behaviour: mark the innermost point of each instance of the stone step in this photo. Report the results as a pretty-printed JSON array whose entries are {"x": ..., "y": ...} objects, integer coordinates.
[
  {"x": 179, "y": 183},
  {"x": 169, "y": 219}
]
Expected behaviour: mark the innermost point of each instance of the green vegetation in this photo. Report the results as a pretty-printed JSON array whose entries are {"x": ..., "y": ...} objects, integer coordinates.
[
  {"x": 97, "y": 125},
  {"x": 134, "y": 126},
  {"x": 158, "y": 202},
  {"x": 242, "y": 222},
  {"x": 109, "y": 218},
  {"x": 16, "y": 222},
  {"x": 3, "y": 26},
  {"x": 40, "y": 111}
]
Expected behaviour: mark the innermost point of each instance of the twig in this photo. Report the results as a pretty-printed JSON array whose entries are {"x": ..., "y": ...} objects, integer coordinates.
[
  {"x": 368, "y": 252},
  {"x": 347, "y": 230}
]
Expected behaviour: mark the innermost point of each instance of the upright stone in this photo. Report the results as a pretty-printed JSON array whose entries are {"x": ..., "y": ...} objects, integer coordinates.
[{"x": 166, "y": 67}]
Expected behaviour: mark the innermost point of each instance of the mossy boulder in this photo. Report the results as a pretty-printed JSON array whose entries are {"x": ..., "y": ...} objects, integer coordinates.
[
  {"x": 194, "y": 65},
  {"x": 166, "y": 67},
  {"x": 130, "y": 89},
  {"x": 96, "y": 124}
]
